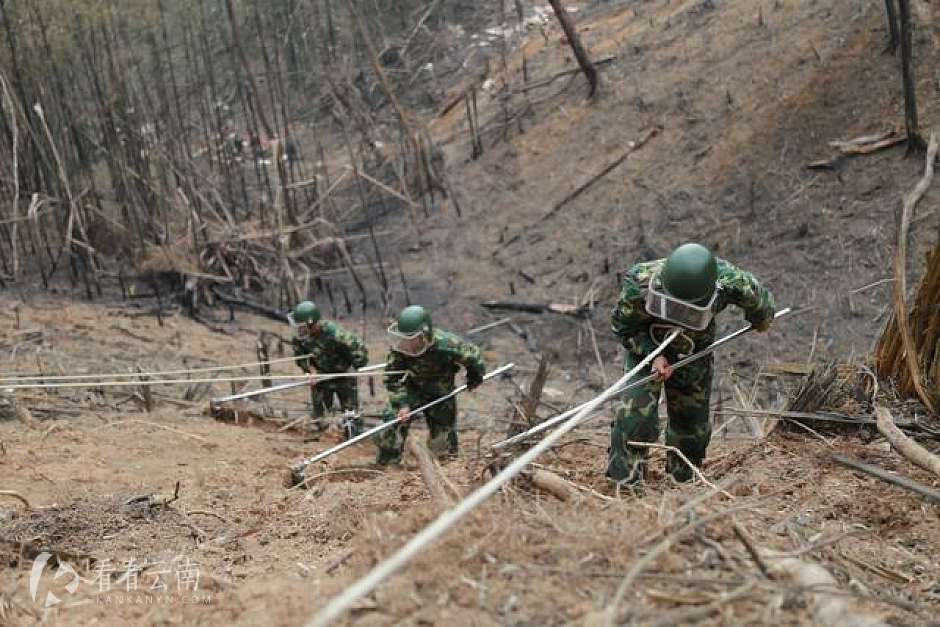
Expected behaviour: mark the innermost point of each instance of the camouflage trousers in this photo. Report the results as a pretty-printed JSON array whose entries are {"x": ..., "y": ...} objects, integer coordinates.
[
  {"x": 442, "y": 432},
  {"x": 322, "y": 396},
  {"x": 687, "y": 402}
]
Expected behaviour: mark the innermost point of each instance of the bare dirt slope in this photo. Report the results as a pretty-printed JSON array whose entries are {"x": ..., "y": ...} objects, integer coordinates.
[
  {"x": 266, "y": 554},
  {"x": 746, "y": 94}
]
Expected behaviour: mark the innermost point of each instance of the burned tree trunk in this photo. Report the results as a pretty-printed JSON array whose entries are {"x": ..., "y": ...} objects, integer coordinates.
[
  {"x": 914, "y": 140},
  {"x": 243, "y": 58},
  {"x": 891, "y": 12},
  {"x": 587, "y": 66}
]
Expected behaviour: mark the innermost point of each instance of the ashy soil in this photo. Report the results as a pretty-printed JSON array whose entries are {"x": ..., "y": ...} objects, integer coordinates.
[{"x": 746, "y": 95}]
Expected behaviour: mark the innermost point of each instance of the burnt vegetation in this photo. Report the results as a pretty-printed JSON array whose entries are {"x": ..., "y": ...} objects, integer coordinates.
[{"x": 231, "y": 150}]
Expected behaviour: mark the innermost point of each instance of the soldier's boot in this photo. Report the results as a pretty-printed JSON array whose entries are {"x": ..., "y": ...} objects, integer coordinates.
[
  {"x": 321, "y": 404},
  {"x": 390, "y": 443},
  {"x": 388, "y": 457}
]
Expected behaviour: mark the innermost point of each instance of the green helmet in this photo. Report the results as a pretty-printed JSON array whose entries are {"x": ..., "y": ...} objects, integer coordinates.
[
  {"x": 411, "y": 321},
  {"x": 306, "y": 313},
  {"x": 690, "y": 273}
]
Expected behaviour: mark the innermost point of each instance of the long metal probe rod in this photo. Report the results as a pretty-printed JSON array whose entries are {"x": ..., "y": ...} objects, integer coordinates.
[
  {"x": 711, "y": 348},
  {"x": 391, "y": 423}
]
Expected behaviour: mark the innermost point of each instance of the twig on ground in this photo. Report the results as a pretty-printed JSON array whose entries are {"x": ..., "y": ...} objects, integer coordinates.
[
  {"x": 202, "y": 512},
  {"x": 672, "y": 449},
  {"x": 609, "y": 614},
  {"x": 751, "y": 548},
  {"x": 16, "y": 495},
  {"x": 686, "y": 617}
]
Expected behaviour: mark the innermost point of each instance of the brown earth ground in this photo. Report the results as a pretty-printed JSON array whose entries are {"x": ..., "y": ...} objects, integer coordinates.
[{"x": 747, "y": 93}]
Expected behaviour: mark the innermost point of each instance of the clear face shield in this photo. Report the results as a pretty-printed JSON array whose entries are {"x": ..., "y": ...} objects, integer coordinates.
[
  {"x": 413, "y": 344},
  {"x": 301, "y": 330},
  {"x": 688, "y": 315}
]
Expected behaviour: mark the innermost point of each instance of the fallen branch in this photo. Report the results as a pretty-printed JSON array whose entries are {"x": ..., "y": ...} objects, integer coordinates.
[
  {"x": 631, "y": 148},
  {"x": 829, "y": 605},
  {"x": 907, "y": 447},
  {"x": 859, "y": 146},
  {"x": 536, "y": 308},
  {"x": 884, "y": 475},
  {"x": 270, "y": 312},
  {"x": 430, "y": 473},
  {"x": 798, "y": 416}
]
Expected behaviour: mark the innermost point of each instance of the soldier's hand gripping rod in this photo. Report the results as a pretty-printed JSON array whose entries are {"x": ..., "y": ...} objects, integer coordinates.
[
  {"x": 298, "y": 468},
  {"x": 708, "y": 350},
  {"x": 286, "y": 386}
]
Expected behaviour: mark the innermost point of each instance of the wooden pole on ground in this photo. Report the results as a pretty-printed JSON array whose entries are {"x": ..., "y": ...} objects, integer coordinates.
[{"x": 430, "y": 473}]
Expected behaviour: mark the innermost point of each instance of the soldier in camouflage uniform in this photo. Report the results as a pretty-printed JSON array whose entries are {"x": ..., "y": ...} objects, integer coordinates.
[
  {"x": 431, "y": 358},
  {"x": 323, "y": 347},
  {"x": 682, "y": 291}
]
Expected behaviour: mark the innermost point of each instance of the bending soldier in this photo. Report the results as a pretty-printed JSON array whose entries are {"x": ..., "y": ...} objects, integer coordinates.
[
  {"x": 683, "y": 291},
  {"x": 323, "y": 347},
  {"x": 432, "y": 357}
]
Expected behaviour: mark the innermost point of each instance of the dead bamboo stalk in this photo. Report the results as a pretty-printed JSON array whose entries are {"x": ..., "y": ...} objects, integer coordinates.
[
  {"x": 900, "y": 273},
  {"x": 907, "y": 447}
]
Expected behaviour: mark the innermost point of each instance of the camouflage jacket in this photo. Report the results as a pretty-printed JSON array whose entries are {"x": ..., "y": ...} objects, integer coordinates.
[
  {"x": 432, "y": 373},
  {"x": 632, "y": 324},
  {"x": 333, "y": 350}
]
